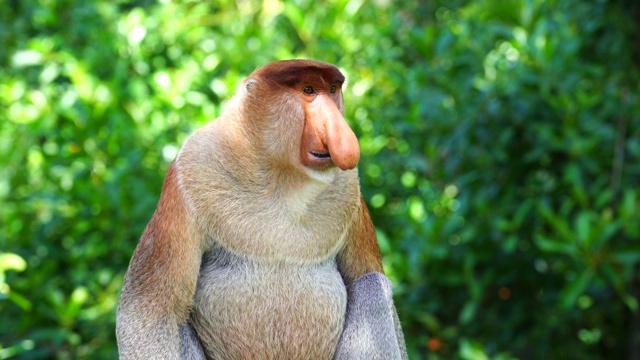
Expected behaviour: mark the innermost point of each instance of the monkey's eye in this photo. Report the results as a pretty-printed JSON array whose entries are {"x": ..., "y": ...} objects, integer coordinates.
[
  {"x": 332, "y": 89},
  {"x": 309, "y": 90}
]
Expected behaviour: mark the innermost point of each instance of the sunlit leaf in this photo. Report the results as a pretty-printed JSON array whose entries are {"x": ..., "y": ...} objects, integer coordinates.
[
  {"x": 9, "y": 261},
  {"x": 470, "y": 350}
]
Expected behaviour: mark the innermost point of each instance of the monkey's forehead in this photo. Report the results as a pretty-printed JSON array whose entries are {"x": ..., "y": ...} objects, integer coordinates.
[{"x": 292, "y": 72}]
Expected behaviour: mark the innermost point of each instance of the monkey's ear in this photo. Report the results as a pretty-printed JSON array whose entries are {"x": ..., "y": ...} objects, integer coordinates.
[{"x": 250, "y": 84}]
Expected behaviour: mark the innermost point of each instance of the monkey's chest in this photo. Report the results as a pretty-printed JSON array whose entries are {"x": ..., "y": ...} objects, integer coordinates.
[{"x": 245, "y": 310}]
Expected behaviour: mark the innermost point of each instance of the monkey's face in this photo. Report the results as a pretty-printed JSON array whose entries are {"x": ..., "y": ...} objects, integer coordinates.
[
  {"x": 301, "y": 111},
  {"x": 327, "y": 140}
]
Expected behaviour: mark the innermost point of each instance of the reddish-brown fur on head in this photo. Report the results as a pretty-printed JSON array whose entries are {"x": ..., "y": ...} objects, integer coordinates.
[
  {"x": 326, "y": 139},
  {"x": 292, "y": 72}
]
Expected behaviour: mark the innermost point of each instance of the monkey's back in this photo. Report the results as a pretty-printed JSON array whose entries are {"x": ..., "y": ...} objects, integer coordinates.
[{"x": 247, "y": 310}]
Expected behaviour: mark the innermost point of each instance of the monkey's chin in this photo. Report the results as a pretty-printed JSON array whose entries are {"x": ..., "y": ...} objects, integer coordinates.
[{"x": 324, "y": 175}]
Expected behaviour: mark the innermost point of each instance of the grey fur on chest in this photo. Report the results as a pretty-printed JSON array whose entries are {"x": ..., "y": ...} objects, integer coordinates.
[{"x": 277, "y": 311}]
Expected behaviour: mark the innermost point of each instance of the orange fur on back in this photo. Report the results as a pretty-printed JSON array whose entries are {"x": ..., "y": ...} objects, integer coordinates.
[
  {"x": 361, "y": 254},
  {"x": 161, "y": 279}
]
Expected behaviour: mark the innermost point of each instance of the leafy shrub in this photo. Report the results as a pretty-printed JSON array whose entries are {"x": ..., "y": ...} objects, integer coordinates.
[{"x": 500, "y": 144}]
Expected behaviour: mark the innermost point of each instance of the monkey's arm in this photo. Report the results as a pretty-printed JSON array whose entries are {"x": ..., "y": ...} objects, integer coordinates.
[
  {"x": 360, "y": 254},
  {"x": 372, "y": 329},
  {"x": 160, "y": 281}
]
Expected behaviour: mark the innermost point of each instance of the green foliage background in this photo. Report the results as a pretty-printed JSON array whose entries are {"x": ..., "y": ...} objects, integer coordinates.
[{"x": 500, "y": 158}]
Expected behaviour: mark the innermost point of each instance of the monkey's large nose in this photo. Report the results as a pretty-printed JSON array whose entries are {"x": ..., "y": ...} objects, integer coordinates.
[
  {"x": 341, "y": 141},
  {"x": 327, "y": 139}
]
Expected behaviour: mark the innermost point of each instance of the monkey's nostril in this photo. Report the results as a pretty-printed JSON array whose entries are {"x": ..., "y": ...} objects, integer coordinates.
[{"x": 322, "y": 156}]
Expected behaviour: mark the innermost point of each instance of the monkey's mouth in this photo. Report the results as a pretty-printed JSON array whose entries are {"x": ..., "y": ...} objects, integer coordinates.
[{"x": 321, "y": 156}]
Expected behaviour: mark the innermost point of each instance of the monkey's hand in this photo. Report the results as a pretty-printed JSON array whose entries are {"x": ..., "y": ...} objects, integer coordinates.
[{"x": 372, "y": 329}]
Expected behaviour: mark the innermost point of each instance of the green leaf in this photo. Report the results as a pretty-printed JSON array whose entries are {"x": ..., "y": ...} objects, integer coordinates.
[
  {"x": 552, "y": 245},
  {"x": 575, "y": 288},
  {"x": 628, "y": 255},
  {"x": 631, "y": 302},
  {"x": 20, "y": 300},
  {"x": 9, "y": 261},
  {"x": 583, "y": 227},
  {"x": 558, "y": 223},
  {"x": 471, "y": 350},
  {"x": 468, "y": 312}
]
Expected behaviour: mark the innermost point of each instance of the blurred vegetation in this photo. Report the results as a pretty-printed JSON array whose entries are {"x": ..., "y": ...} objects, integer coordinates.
[{"x": 500, "y": 158}]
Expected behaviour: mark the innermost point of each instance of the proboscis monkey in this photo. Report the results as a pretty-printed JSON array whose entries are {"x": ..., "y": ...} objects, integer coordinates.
[{"x": 261, "y": 246}]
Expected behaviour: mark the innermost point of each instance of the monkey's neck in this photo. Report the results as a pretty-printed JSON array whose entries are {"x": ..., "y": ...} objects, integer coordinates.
[
  {"x": 293, "y": 188},
  {"x": 296, "y": 191},
  {"x": 266, "y": 214}
]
